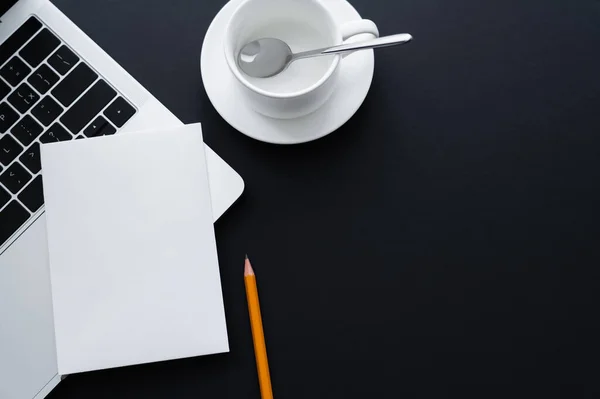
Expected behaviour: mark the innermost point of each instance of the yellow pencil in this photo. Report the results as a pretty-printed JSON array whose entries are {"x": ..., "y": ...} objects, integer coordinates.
[{"x": 258, "y": 336}]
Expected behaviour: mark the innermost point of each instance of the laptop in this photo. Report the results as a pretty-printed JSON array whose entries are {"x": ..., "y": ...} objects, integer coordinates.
[{"x": 56, "y": 84}]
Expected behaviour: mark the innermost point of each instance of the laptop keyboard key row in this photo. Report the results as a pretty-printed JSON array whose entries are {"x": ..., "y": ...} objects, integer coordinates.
[
  {"x": 43, "y": 79},
  {"x": 43, "y": 97}
]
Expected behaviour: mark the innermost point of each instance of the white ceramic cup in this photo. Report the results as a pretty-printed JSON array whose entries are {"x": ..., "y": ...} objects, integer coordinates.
[{"x": 303, "y": 25}]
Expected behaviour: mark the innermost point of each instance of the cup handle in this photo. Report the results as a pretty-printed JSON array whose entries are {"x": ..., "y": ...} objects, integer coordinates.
[{"x": 358, "y": 27}]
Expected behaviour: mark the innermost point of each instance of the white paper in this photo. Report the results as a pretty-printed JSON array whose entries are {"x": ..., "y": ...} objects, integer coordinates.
[{"x": 133, "y": 260}]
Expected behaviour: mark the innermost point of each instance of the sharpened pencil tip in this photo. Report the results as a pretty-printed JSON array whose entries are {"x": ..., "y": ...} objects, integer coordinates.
[
  {"x": 248, "y": 271},
  {"x": 246, "y": 256}
]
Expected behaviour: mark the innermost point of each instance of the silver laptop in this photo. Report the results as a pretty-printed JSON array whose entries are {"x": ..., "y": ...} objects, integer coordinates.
[{"x": 55, "y": 84}]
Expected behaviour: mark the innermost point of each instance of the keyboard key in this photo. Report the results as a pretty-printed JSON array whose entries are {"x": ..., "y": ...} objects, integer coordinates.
[
  {"x": 33, "y": 195},
  {"x": 23, "y": 98},
  {"x": 63, "y": 60},
  {"x": 54, "y": 134},
  {"x": 8, "y": 117},
  {"x": 47, "y": 110},
  {"x": 18, "y": 39},
  {"x": 88, "y": 106},
  {"x": 43, "y": 79},
  {"x": 95, "y": 127},
  {"x": 39, "y": 47},
  {"x": 74, "y": 84},
  {"x": 4, "y": 197},
  {"x": 31, "y": 158},
  {"x": 11, "y": 218},
  {"x": 15, "y": 71},
  {"x": 4, "y": 89},
  {"x": 119, "y": 112},
  {"x": 9, "y": 149},
  {"x": 107, "y": 130},
  {"x": 27, "y": 130},
  {"x": 79, "y": 137},
  {"x": 15, "y": 177}
]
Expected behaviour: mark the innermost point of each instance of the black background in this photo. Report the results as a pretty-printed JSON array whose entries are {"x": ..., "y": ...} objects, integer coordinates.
[{"x": 443, "y": 243}]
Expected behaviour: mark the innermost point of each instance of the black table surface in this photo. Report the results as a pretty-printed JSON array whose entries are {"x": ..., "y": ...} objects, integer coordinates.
[{"x": 442, "y": 243}]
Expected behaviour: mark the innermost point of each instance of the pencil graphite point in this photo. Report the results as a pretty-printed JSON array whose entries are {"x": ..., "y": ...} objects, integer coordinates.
[{"x": 248, "y": 271}]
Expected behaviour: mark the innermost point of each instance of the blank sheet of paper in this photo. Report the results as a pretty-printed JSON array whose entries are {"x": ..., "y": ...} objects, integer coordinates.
[{"x": 133, "y": 259}]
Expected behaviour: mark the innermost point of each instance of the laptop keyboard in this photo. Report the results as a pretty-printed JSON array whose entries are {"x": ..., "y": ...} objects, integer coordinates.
[{"x": 47, "y": 94}]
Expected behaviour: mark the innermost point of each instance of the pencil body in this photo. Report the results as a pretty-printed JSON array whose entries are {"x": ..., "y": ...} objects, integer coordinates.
[{"x": 260, "y": 349}]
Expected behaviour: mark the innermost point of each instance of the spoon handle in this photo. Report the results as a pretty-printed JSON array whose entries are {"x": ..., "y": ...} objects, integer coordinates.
[{"x": 385, "y": 41}]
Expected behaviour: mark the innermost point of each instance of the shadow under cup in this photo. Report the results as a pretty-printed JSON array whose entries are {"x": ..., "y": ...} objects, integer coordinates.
[{"x": 303, "y": 25}]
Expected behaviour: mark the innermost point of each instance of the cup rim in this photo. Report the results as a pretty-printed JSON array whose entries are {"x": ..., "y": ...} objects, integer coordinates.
[{"x": 230, "y": 58}]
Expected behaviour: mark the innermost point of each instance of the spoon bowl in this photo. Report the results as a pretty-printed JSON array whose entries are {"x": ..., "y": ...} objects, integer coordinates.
[{"x": 265, "y": 57}]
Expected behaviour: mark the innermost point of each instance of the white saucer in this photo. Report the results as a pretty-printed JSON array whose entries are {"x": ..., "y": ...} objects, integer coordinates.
[{"x": 354, "y": 83}]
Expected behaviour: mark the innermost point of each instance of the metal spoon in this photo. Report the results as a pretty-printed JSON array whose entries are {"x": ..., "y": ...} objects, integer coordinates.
[{"x": 267, "y": 57}]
